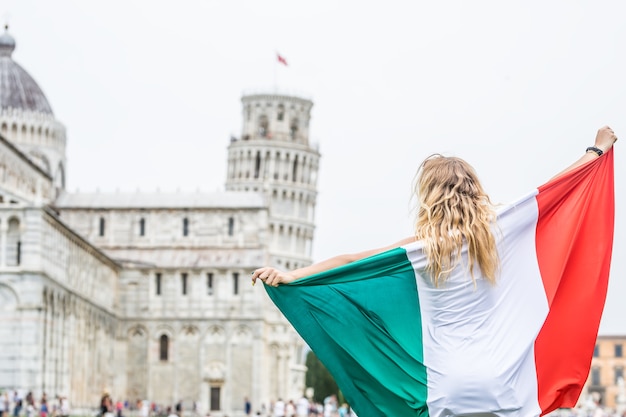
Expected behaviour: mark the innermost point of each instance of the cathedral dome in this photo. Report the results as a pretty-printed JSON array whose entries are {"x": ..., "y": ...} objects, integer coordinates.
[{"x": 18, "y": 90}]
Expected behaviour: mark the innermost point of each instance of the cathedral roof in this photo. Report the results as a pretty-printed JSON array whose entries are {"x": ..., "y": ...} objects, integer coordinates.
[
  {"x": 161, "y": 200},
  {"x": 18, "y": 90}
]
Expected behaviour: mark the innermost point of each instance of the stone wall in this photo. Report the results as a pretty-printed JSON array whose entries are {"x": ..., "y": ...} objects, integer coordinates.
[
  {"x": 57, "y": 322},
  {"x": 20, "y": 179}
]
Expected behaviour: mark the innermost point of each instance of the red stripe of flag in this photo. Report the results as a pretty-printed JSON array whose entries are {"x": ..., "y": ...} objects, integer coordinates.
[{"x": 575, "y": 270}]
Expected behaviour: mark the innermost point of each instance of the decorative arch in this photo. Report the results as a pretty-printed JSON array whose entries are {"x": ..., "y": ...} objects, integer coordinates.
[
  {"x": 166, "y": 330},
  {"x": 13, "y": 248},
  {"x": 10, "y": 321},
  {"x": 137, "y": 331},
  {"x": 9, "y": 299},
  {"x": 138, "y": 352},
  {"x": 242, "y": 334},
  {"x": 215, "y": 334},
  {"x": 215, "y": 371},
  {"x": 190, "y": 330}
]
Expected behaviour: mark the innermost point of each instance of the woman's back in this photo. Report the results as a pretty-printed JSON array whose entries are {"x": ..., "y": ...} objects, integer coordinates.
[{"x": 460, "y": 318}]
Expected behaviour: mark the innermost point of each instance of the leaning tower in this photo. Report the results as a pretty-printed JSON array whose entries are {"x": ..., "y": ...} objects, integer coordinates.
[{"x": 274, "y": 156}]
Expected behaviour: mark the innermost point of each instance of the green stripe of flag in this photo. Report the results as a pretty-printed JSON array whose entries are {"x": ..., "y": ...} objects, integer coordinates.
[{"x": 363, "y": 322}]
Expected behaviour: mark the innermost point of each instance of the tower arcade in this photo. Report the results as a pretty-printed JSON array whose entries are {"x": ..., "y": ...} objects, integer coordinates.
[{"x": 274, "y": 156}]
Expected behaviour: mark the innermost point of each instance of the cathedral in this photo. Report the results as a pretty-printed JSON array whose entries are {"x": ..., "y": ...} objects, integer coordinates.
[{"x": 143, "y": 295}]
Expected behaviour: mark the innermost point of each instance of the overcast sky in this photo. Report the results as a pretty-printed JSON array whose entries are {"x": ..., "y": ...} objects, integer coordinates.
[{"x": 150, "y": 92}]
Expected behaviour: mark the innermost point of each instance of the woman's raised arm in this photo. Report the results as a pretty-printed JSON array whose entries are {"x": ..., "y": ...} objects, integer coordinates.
[
  {"x": 274, "y": 277},
  {"x": 605, "y": 138}
]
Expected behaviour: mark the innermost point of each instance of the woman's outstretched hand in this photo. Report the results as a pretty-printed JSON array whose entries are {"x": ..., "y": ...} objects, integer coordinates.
[
  {"x": 272, "y": 276},
  {"x": 605, "y": 138}
]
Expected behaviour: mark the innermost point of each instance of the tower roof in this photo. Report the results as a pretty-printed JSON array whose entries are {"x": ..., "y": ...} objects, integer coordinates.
[{"x": 18, "y": 90}]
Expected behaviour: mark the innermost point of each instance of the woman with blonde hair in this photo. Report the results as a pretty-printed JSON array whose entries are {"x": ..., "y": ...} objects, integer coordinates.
[
  {"x": 480, "y": 311},
  {"x": 453, "y": 209}
]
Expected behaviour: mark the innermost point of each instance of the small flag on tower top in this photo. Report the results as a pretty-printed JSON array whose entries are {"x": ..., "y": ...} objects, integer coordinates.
[{"x": 281, "y": 59}]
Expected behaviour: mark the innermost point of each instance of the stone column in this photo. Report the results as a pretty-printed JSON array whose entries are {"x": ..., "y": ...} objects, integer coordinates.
[
  {"x": 204, "y": 400},
  {"x": 68, "y": 347},
  {"x": 45, "y": 344},
  {"x": 227, "y": 393}
]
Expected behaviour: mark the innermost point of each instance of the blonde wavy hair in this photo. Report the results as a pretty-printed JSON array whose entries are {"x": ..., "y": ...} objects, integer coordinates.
[{"x": 453, "y": 211}]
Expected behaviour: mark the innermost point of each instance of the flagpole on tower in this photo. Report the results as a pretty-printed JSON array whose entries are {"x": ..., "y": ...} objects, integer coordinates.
[{"x": 279, "y": 60}]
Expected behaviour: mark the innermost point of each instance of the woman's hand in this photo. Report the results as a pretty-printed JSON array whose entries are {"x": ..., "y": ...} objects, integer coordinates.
[
  {"x": 272, "y": 276},
  {"x": 605, "y": 138}
]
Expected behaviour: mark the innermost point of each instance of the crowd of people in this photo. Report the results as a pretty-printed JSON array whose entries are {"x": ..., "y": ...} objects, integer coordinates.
[
  {"x": 12, "y": 404},
  {"x": 140, "y": 408},
  {"x": 16, "y": 405},
  {"x": 304, "y": 408}
]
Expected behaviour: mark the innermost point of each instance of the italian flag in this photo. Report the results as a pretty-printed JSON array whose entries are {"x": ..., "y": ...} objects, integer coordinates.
[{"x": 397, "y": 346}]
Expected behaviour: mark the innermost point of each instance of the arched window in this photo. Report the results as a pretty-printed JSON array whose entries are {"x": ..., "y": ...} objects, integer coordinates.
[
  {"x": 157, "y": 283},
  {"x": 263, "y": 126},
  {"x": 281, "y": 112},
  {"x": 142, "y": 227},
  {"x": 294, "y": 173},
  {"x": 257, "y": 165},
  {"x": 209, "y": 283},
  {"x": 14, "y": 244},
  {"x": 183, "y": 283},
  {"x": 293, "y": 128},
  {"x": 185, "y": 226},
  {"x": 231, "y": 226},
  {"x": 164, "y": 346},
  {"x": 235, "y": 283},
  {"x": 101, "y": 227}
]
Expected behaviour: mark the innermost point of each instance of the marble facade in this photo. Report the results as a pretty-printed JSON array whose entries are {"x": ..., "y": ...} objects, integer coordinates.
[{"x": 147, "y": 295}]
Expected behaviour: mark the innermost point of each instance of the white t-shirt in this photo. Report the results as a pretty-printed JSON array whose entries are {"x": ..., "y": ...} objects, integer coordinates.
[
  {"x": 65, "y": 407},
  {"x": 279, "y": 409},
  {"x": 303, "y": 407},
  {"x": 328, "y": 409}
]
